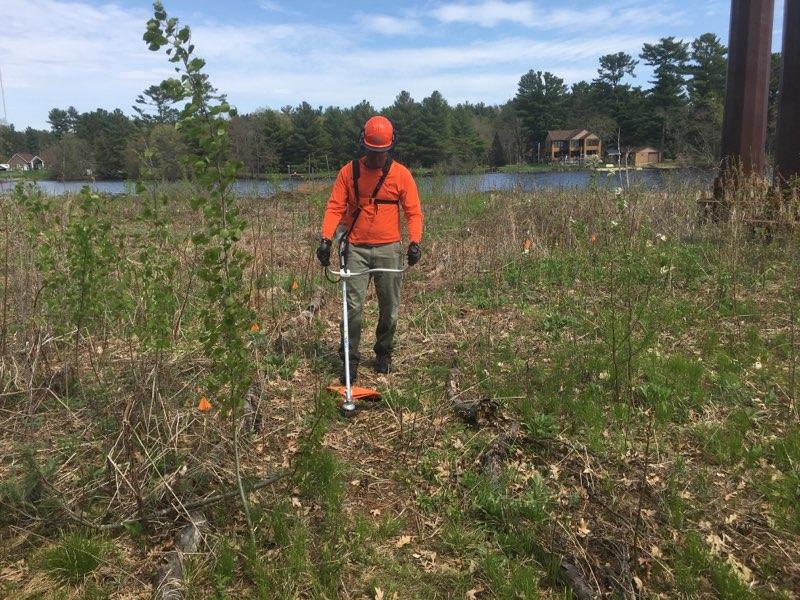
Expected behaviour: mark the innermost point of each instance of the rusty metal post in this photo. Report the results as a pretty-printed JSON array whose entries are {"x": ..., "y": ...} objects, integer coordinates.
[
  {"x": 787, "y": 153},
  {"x": 744, "y": 127}
]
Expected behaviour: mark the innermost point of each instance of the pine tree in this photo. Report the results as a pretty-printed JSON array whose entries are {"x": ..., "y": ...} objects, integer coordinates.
[
  {"x": 61, "y": 121},
  {"x": 497, "y": 155},
  {"x": 357, "y": 117},
  {"x": 339, "y": 134},
  {"x": 467, "y": 146},
  {"x": 405, "y": 117},
  {"x": 614, "y": 67},
  {"x": 708, "y": 70},
  {"x": 433, "y": 138},
  {"x": 541, "y": 104},
  {"x": 669, "y": 59},
  {"x": 307, "y": 140}
]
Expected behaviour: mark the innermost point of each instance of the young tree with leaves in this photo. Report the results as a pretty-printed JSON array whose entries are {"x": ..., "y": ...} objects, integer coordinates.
[{"x": 226, "y": 316}]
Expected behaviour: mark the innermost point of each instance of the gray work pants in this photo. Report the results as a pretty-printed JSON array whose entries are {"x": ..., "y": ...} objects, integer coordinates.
[{"x": 387, "y": 287}]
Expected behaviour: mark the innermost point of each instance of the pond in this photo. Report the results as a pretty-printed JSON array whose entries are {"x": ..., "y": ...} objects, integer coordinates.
[{"x": 651, "y": 179}]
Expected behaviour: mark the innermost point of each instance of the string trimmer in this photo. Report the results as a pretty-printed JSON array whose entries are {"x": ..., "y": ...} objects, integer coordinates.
[{"x": 348, "y": 392}]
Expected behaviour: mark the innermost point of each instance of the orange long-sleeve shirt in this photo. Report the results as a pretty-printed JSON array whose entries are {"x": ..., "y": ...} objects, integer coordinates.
[{"x": 377, "y": 223}]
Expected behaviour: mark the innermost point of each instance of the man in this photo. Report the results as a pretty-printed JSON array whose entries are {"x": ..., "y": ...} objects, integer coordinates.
[{"x": 365, "y": 206}]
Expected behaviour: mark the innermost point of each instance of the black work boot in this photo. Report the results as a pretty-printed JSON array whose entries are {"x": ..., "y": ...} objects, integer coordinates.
[
  {"x": 382, "y": 363},
  {"x": 353, "y": 373}
]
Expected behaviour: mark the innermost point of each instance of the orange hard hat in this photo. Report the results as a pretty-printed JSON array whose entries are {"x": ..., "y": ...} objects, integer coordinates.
[{"x": 378, "y": 134}]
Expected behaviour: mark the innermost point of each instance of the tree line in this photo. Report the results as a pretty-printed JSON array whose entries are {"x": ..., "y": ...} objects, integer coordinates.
[{"x": 680, "y": 113}]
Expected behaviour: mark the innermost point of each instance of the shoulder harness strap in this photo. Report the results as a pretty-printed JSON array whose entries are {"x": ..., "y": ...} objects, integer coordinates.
[{"x": 356, "y": 173}]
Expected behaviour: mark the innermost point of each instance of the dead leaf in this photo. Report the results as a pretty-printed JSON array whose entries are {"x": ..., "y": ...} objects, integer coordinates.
[
  {"x": 655, "y": 552},
  {"x": 583, "y": 528},
  {"x": 473, "y": 593},
  {"x": 296, "y": 502},
  {"x": 378, "y": 593},
  {"x": 375, "y": 512},
  {"x": 404, "y": 540},
  {"x": 716, "y": 543},
  {"x": 741, "y": 570}
]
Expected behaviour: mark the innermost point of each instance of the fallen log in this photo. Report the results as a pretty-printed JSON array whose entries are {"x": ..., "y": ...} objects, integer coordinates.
[
  {"x": 169, "y": 577},
  {"x": 572, "y": 577}
]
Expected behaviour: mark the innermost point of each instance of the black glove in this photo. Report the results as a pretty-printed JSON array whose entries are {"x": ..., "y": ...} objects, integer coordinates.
[
  {"x": 324, "y": 252},
  {"x": 414, "y": 253}
]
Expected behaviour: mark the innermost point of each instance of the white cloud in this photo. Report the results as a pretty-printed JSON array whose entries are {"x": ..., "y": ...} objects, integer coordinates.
[
  {"x": 388, "y": 25},
  {"x": 491, "y": 13},
  {"x": 61, "y": 53},
  {"x": 275, "y": 7},
  {"x": 269, "y": 6},
  {"x": 488, "y": 13}
]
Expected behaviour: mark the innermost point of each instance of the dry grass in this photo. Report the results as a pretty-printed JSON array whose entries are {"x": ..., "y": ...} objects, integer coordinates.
[{"x": 648, "y": 357}]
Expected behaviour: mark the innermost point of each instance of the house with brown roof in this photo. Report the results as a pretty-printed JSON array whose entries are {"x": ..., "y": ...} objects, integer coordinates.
[
  {"x": 23, "y": 161},
  {"x": 571, "y": 144}
]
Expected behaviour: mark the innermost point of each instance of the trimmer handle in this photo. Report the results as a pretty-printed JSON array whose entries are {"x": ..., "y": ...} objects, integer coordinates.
[{"x": 345, "y": 274}]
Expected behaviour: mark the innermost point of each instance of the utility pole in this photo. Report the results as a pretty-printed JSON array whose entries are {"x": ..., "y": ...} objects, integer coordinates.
[
  {"x": 787, "y": 157},
  {"x": 3, "y": 94}
]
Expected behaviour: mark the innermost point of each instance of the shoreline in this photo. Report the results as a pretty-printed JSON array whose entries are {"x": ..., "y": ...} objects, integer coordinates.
[{"x": 418, "y": 172}]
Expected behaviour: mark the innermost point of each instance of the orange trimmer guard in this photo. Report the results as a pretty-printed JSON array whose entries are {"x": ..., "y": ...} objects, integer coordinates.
[{"x": 359, "y": 393}]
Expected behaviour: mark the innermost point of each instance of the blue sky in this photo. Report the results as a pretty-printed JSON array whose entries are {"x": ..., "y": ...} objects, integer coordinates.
[{"x": 270, "y": 53}]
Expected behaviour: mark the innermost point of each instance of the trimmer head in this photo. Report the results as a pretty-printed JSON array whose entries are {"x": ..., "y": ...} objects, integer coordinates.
[{"x": 349, "y": 408}]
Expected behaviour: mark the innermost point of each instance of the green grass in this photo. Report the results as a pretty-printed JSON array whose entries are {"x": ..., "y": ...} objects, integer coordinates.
[
  {"x": 24, "y": 175},
  {"x": 75, "y": 557},
  {"x": 583, "y": 340}
]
